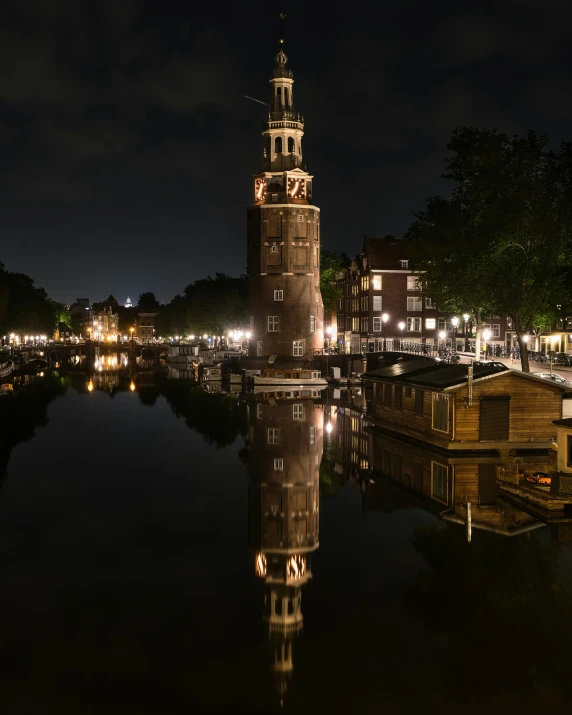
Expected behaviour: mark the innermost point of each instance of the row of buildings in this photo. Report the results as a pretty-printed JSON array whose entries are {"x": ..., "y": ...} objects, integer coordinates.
[
  {"x": 381, "y": 307},
  {"x": 100, "y": 322}
]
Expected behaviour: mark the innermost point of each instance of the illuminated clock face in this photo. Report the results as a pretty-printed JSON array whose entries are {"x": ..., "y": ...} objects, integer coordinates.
[
  {"x": 295, "y": 567},
  {"x": 260, "y": 189},
  {"x": 296, "y": 188}
]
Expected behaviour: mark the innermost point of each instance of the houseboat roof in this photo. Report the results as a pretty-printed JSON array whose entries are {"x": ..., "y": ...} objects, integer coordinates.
[
  {"x": 441, "y": 376},
  {"x": 566, "y": 422}
]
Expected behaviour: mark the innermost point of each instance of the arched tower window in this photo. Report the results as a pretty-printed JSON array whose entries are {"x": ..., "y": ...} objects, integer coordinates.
[
  {"x": 278, "y": 145},
  {"x": 279, "y": 97},
  {"x": 290, "y": 144},
  {"x": 286, "y": 99}
]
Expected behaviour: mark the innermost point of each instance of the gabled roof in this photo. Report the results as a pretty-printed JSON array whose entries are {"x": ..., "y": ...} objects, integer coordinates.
[{"x": 384, "y": 253}]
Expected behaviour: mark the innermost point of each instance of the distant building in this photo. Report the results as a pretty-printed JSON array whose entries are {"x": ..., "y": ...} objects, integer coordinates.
[
  {"x": 128, "y": 303},
  {"x": 145, "y": 328},
  {"x": 100, "y": 324}
]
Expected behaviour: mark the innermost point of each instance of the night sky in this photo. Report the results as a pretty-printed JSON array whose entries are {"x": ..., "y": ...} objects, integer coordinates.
[{"x": 127, "y": 148}]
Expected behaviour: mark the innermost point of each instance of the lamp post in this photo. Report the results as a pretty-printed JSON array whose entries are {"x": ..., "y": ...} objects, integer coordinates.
[
  {"x": 401, "y": 327},
  {"x": 329, "y": 339},
  {"x": 466, "y": 317},
  {"x": 384, "y": 319},
  {"x": 486, "y": 337},
  {"x": 455, "y": 322},
  {"x": 442, "y": 336}
]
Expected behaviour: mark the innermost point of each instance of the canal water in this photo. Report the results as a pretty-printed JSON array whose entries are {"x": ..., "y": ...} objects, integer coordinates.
[{"x": 168, "y": 550}]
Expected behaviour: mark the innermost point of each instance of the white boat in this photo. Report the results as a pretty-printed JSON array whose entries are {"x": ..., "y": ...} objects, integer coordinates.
[
  {"x": 181, "y": 354},
  {"x": 284, "y": 392},
  {"x": 235, "y": 379},
  {"x": 211, "y": 373},
  {"x": 294, "y": 377},
  {"x": 6, "y": 368}
]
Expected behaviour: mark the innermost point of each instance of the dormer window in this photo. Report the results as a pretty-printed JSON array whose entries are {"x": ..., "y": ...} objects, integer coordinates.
[{"x": 404, "y": 265}]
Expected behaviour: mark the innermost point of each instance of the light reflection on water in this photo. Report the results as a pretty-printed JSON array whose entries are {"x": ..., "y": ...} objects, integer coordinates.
[{"x": 174, "y": 550}]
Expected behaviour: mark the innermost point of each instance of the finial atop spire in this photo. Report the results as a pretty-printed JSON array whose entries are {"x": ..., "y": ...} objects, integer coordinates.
[{"x": 281, "y": 58}]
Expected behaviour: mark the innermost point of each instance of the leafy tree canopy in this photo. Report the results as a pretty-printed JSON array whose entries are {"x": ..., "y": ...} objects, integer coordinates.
[
  {"x": 148, "y": 303},
  {"x": 501, "y": 243},
  {"x": 330, "y": 265}
]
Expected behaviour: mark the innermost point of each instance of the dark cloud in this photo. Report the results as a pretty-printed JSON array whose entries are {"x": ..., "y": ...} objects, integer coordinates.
[{"x": 124, "y": 134}]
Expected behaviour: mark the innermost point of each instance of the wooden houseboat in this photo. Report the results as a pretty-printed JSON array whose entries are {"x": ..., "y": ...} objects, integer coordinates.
[
  {"x": 459, "y": 407},
  {"x": 210, "y": 373},
  {"x": 289, "y": 376},
  {"x": 181, "y": 354}
]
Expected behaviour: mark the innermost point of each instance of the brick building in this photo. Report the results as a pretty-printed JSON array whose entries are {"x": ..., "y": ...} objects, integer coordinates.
[
  {"x": 145, "y": 328},
  {"x": 381, "y": 305},
  {"x": 283, "y": 236}
]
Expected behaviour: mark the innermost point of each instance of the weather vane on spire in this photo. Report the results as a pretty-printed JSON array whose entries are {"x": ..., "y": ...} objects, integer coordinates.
[{"x": 282, "y": 17}]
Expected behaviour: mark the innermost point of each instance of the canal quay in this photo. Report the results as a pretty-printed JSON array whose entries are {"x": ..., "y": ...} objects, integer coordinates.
[{"x": 170, "y": 547}]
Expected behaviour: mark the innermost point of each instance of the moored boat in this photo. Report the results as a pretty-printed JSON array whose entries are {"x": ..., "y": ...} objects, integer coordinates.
[
  {"x": 211, "y": 373},
  {"x": 6, "y": 368},
  {"x": 289, "y": 377}
]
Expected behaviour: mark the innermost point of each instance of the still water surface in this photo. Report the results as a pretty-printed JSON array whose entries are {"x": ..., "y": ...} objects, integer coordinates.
[{"x": 166, "y": 550}]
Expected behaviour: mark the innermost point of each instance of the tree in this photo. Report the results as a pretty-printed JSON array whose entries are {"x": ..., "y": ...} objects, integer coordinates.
[
  {"x": 501, "y": 243},
  {"x": 25, "y": 308},
  {"x": 330, "y": 265},
  {"x": 216, "y": 305},
  {"x": 148, "y": 303}
]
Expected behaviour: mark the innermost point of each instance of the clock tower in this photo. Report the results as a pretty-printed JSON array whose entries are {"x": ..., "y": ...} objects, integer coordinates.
[{"x": 283, "y": 234}]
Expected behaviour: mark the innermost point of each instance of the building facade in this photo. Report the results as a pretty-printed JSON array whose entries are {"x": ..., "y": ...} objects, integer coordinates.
[
  {"x": 283, "y": 236},
  {"x": 381, "y": 306},
  {"x": 145, "y": 328},
  {"x": 100, "y": 324}
]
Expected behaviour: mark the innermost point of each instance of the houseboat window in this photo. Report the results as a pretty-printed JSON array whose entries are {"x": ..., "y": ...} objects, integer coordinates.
[
  {"x": 387, "y": 396},
  {"x": 278, "y": 464},
  {"x": 278, "y": 374},
  {"x": 440, "y": 412},
  {"x": 439, "y": 482},
  {"x": 305, "y": 376},
  {"x": 289, "y": 375},
  {"x": 298, "y": 412},
  {"x": 273, "y": 435},
  {"x": 419, "y": 395}
]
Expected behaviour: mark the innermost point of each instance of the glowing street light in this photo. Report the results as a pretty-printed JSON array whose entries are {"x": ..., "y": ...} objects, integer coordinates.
[
  {"x": 401, "y": 326},
  {"x": 384, "y": 319},
  {"x": 486, "y": 337}
]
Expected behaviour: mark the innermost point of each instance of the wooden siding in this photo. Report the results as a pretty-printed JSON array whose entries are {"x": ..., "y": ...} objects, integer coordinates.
[{"x": 533, "y": 407}]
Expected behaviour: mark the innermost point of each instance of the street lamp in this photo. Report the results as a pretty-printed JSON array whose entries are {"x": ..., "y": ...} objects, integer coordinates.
[
  {"x": 384, "y": 319},
  {"x": 401, "y": 327},
  {"x": 466, "y": 317},
  {"x": 455, "y": 322},
  {"x": 486, "y": 336},
  {"x": 442, "y": 336}
]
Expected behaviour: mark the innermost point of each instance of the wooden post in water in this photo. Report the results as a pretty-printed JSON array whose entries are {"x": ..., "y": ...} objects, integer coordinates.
[{"x": 469, "y": 522}]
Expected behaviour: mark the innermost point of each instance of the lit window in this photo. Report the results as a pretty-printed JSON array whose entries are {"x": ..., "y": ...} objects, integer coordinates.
[
  {"x": 259, "y": 348},
  {"x": 496, "y": 330},
  {"x": 298, "y": 412},
  {"x": 259, "y": 412},
  {"x": 430, "y": 323},
  {"x": 278, "y": 464},
  {"x": 404, "y": 264},
  {"x": 413, "y": 303},
  {"x": 273, "y": 323},
  {"x": 411, "y": 283},
  {"x": 278, "y": 295},
  {"x": 376, "y": 325},
  {"x": 414, "y": 325},
  {"x": 273, "y": 435},
  {"x": 377, "y": 283},
  {"x": 312, "y": 434},
  {"x": 312, "y": 323},
  {"x": 298, "y": 348},
  {"x": 377, "y": 303}
]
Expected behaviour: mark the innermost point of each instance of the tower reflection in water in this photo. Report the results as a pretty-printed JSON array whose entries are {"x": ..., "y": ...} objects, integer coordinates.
[{"x": 285, "y": 451}]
